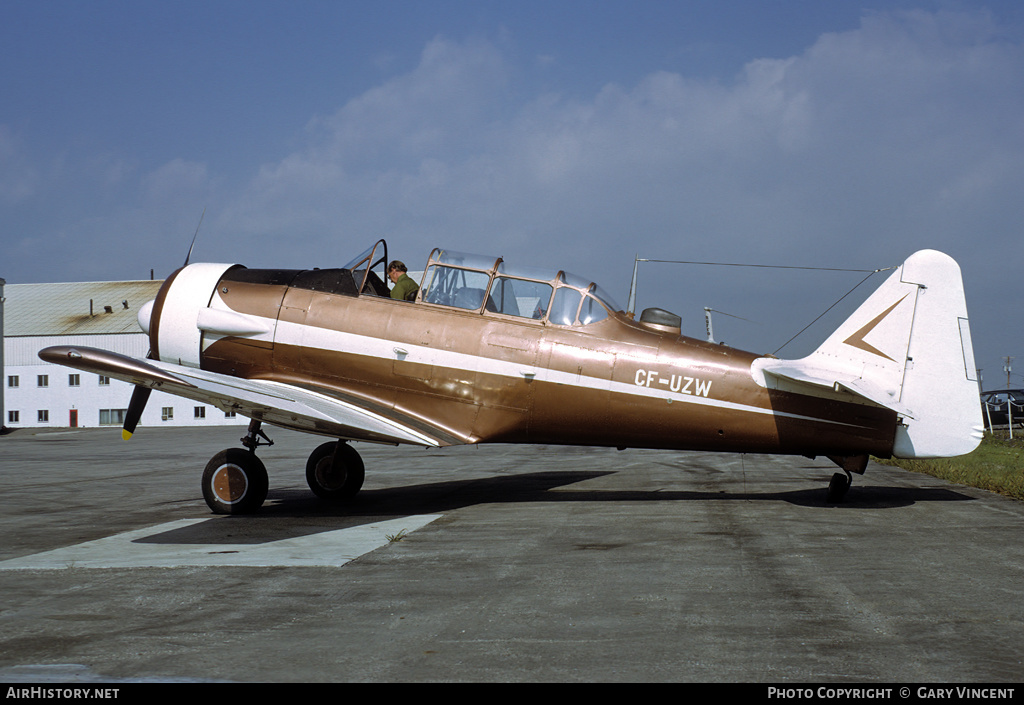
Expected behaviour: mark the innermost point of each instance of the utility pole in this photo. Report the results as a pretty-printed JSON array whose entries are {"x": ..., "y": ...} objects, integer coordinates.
[{"x": 1007, "y": 368}]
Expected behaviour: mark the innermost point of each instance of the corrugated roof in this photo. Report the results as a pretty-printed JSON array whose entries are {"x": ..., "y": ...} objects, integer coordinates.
[{"x": 63, "y": 309}]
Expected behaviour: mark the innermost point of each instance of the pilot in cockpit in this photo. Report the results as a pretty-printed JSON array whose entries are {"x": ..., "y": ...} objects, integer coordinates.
[{"x": 405, "y": 286}]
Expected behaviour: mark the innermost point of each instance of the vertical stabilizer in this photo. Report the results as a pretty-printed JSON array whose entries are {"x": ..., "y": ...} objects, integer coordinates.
[
  {"x": 940, "y": 384},
  {"x": 908, "y": 347}
]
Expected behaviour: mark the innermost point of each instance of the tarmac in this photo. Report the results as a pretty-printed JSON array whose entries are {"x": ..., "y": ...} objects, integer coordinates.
[{"x": 497, "y": 564}]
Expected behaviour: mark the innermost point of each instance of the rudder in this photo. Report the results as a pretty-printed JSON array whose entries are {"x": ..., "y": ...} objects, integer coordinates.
[{"x": 940, "y": 386}]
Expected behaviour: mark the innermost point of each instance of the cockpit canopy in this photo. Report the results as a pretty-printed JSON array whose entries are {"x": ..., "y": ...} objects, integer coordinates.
[
  {"x": 473, "y": 282},
  {"x": 465, "y": 281}
]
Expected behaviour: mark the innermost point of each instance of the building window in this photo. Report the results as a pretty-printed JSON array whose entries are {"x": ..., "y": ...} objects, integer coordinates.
[
  {"x": 13, "y": 416},
  {"x": 43, "y": 416},
  {"x": 229, "y": 414},
  {"x": 104, "y": 381},
  {"x": 43, "y": 381},
  {"x": 200, "y": 412},
  {"x": 73, "y": 380},
  {"x": 12, "y": 381},
  {"x": 112, "y": 417},
  {"x": 167, "y": 413}
]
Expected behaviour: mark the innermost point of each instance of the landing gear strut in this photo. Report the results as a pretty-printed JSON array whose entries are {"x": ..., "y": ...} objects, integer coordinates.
[
  {"x": 252, "y": 438},
  {"x": 235, "y": 480}
]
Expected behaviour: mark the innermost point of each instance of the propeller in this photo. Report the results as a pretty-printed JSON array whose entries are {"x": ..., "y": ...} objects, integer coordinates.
[
  {"x": 189, "y": 255},
  {"x": 140, "y": 395}
]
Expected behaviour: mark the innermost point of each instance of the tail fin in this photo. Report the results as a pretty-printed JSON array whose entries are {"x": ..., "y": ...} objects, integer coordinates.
[{"x": 908, "y": 347}]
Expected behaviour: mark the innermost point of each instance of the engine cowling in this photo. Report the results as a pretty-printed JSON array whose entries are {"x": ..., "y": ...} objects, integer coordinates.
[{"x": 180, "y": 316}]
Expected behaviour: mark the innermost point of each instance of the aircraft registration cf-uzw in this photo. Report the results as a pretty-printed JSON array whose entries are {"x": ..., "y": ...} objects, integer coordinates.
[{"x": 488, "y": 352}]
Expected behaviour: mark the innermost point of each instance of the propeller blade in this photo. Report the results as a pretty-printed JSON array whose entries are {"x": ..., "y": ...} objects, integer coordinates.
[
  {"x": 135, "y": 408},
  {"x": 189, "y": 255}
]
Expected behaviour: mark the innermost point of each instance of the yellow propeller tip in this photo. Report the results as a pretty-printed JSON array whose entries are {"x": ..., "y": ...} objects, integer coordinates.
[{"x": 125, "y": 435}]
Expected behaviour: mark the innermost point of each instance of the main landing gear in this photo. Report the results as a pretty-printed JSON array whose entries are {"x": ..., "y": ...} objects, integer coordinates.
[
  {"x": 841, "y": 481},
  {"x": 335, "y": 471},
  {"x": 235, "y": 480},
  {"x": 837, "y": 487}
]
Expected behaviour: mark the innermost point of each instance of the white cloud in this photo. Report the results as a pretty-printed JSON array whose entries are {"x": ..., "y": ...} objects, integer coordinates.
[{"x": 902, "y": 134}]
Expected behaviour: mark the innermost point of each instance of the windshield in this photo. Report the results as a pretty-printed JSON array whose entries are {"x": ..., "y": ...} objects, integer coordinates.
[
  {"x": 605, "y": 298},
  {"x": 360, "y": 260},
  {"x": 362, "y": 266}
]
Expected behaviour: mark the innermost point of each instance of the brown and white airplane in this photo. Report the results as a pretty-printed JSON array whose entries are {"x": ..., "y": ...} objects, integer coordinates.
[{"x": 489, "y": 352}]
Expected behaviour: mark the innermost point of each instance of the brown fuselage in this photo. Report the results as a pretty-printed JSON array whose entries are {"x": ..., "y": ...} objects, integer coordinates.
[{"x": 463, "y": 376}]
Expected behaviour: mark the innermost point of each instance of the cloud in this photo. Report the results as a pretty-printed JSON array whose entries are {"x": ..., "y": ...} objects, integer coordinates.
[
  {"x": 872, "y": 143},
  {"x": 866, "y": 118}
]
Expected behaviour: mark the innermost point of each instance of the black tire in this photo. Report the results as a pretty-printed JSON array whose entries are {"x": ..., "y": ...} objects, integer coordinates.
[
  {"x": 335, "y": 478},
  {"x": 837, "y": 488},
  {"x": 235, "y": 482}
]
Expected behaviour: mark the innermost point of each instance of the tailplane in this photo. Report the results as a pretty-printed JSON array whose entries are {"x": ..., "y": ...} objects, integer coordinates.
[{"x": 908, "y": 348}]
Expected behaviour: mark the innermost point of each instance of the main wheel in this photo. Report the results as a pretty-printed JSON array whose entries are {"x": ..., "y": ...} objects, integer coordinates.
[
  {"x": 335, "y": 471},
  {"x": 235, "y": 482},
  {"x": 837, "y": 488}
]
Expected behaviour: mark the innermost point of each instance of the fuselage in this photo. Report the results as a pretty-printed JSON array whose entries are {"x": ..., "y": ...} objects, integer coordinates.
[{"x": 480, "y": 376}]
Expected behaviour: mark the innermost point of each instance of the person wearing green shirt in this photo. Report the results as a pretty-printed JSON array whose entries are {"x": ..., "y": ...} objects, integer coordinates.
[{"x": 405, "y": 287}]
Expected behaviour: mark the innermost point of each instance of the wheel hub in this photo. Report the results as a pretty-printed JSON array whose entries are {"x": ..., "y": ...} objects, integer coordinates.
[
  {"x": 329, "y": 476},
  {"x": 229, "y": 483}
]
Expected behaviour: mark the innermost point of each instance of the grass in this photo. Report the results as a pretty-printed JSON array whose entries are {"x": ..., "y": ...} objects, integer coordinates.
[
  {"x": 392, "y": 538},
  {"x": 996, "y": 465}
]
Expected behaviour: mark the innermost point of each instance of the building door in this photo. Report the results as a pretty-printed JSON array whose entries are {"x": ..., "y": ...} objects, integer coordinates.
[{"x": 73, "y": 421}]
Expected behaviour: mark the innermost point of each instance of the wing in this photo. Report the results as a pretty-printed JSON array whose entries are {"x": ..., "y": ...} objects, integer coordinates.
[{"x": 273, "y": 402}]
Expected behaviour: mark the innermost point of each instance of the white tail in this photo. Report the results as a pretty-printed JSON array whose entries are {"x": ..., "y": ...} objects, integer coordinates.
[{"x": 908, "y": 347}]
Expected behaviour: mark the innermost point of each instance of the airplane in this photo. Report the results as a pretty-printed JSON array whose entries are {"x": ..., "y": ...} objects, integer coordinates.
[{"x": 492, "y": 352}]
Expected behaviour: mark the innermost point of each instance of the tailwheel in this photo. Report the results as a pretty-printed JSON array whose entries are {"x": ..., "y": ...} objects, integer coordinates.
[
  {"x": 235, "y": 482},
  {"x": 335, "y": 471},
  {"x": 838, "y": 486}
]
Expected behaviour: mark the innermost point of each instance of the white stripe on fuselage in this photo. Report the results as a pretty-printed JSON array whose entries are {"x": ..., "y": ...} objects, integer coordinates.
[{"x": 312, "y": 337}]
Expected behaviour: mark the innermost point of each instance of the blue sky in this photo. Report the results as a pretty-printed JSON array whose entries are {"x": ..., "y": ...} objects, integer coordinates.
[{"x": 830, "y": 133}]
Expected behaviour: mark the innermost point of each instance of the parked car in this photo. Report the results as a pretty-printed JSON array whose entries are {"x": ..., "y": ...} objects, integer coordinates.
[{"x": 998, "y": 406}]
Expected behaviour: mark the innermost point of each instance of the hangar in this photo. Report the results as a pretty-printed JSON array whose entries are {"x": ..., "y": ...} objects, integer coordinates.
[{"x": 36, "y": 394}]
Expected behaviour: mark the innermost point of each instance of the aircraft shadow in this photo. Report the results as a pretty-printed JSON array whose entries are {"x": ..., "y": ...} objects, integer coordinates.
[
  {"x": 309, "y": 515},
  {"x": 437, "y": 498}
]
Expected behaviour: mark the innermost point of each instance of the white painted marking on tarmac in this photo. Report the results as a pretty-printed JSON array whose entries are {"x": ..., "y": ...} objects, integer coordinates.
[{"x": 157, "y": 547}]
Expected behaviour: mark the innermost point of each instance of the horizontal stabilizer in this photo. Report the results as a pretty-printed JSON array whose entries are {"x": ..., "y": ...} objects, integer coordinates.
[{"x": 791, "y": 371}]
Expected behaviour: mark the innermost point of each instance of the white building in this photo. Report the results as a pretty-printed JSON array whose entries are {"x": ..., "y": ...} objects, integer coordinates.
[{"x": 92, "y": 314}]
